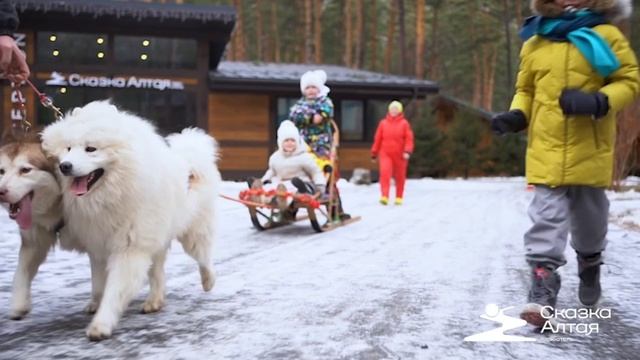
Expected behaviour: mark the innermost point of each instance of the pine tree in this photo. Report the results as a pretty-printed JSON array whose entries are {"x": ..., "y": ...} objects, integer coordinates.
[
  {"x": 391, "y": 31},
  {"x": 420, "y": 36},
  {"x": 429, "y": 156},
  {"x": 317, "y": 31},
  {"x": 505, "y": 156},
  {"x": 373, "y": 33},
  {"x": 274, "y": 36},
  {"x": 465, "y": 136},
  {"x": 402, "y": 36},
  {"x": 348, "y": 34}
]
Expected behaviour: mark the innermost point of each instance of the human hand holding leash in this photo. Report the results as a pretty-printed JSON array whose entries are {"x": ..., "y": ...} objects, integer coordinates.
[{"x": 13, "y": 62}]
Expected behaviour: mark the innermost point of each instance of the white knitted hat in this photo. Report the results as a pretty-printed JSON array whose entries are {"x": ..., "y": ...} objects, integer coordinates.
[
  {"x": 288, "y": 130},
  {"x": 316, "y": 78}
]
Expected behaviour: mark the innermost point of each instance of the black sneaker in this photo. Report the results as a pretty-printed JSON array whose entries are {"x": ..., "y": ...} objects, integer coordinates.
[
  {"x": 589, "y": 272},
  {"x": 301, "y": 186},
  {"x": 545, "y": 285}
]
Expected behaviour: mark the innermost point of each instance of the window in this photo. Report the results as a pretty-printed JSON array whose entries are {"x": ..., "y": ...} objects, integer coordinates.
[
  {"x": 155, "y": 52},
  {"x": 376, "y": 110},
  {"x": 170, "y": 110},
  {"x": 284, "y": 106},
  {"x": 71, "y": 48},
  {"x": 352, "y": 120}
]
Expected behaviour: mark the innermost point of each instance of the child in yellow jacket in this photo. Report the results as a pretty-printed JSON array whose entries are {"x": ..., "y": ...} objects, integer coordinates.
[{"x": 577, "y": 71}]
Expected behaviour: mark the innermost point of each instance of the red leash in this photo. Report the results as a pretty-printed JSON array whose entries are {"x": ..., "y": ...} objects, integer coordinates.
[{"x": 45, "y": 101}]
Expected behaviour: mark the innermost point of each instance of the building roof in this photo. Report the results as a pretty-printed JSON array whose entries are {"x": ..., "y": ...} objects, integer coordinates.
[
  {"x": 286, "y": 77},
  {"x": 195, "y": 19}
]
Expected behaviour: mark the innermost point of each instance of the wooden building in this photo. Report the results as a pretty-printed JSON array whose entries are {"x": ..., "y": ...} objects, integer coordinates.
[{"x": 163, "y": 61}]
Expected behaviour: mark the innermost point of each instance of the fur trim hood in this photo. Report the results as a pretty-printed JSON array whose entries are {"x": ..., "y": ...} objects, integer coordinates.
[{"x": 614, "y": 10}]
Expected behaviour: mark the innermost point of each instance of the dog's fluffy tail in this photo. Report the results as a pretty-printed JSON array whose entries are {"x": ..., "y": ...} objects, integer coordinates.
[
  {"x": 200, "y": 152},
  {"x": 198, "y": 149}
]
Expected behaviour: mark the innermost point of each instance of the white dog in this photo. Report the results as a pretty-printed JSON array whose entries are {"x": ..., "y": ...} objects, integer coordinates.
[
  {"x": 127, "y": 192},
  {"x": 30, "y": 192}
]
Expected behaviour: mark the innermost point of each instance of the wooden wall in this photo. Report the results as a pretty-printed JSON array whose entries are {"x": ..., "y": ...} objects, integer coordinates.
[
  {"x": 240, "y": 123},
  {"x": 250, "y": 159},
  {"x": 239, "y": 117},
  {"x": 356, "y": 157}
]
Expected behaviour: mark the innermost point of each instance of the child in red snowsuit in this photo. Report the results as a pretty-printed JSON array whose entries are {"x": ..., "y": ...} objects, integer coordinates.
[{"x": 393, "y": 146}]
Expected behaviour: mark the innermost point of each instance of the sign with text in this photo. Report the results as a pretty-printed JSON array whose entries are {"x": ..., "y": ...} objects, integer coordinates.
[
  {"x": 122, "y": 82},
  {"x": 16, "y": 114}
]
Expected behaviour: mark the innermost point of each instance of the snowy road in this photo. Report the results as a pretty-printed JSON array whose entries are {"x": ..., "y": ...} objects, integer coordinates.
[{"x": 406, "y": 282}]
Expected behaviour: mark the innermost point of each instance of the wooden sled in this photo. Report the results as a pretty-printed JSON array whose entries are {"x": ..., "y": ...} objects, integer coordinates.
[
  {"x": 271, "y": 209},
  {"x": 277, "y": 208}
]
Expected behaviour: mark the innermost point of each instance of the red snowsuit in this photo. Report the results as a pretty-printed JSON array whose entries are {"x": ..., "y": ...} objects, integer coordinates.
[{"x": 393, "y": 139}]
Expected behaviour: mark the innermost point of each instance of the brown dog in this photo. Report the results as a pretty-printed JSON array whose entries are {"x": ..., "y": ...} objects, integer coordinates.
[{"x": 30, "y": 192}]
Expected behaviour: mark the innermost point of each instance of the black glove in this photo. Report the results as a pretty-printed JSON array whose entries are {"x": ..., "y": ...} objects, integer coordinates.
[
  {"x": 576, "y": 102},
  {"x": 506, "y": 122}
]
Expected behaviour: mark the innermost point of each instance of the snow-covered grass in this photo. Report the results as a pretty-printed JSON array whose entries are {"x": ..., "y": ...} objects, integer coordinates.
[{"x": 405, "y": 282}]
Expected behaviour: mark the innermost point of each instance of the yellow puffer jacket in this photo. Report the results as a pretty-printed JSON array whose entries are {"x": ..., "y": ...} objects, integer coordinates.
[{"x": 571, "y": 150}]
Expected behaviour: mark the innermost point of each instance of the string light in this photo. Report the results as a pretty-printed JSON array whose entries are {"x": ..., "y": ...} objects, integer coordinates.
[
  {"x": 53, "y": 38},
  {"x": 144, "y": 57},
  {"x": 63, "y": 90},
  {"x": 146, "y": 43},
  {"x": 100, "y": 40},
  {"x": 55, "y": 53},
  {"x": 100, "y": 55}
]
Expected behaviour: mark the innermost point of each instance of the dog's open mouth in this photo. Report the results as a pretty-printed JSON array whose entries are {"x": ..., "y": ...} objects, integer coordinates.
[
  {"x": 21, "y": 211},
  {"x": 82, "y": 184}
]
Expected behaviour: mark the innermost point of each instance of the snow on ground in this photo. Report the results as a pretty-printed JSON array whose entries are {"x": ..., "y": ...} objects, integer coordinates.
[{"x": 405, "y": 282}]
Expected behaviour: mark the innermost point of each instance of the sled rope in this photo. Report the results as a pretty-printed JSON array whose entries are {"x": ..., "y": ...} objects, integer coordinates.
[
  {"x": 305, "y": 199},
  {"x": 249, "y": 203}
]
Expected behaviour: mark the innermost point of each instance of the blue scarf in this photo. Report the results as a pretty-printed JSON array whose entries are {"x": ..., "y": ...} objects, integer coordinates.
[{"x": 576, "y": 28}]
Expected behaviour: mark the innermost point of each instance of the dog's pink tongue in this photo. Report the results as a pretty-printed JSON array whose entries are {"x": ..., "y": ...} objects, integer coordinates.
[
  {"x": 24, "y": 216},
  {"x": 80, "y": 185}
]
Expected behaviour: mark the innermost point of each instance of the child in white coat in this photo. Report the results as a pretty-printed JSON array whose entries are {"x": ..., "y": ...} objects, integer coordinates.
[{"x": 293, "y": 164}]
